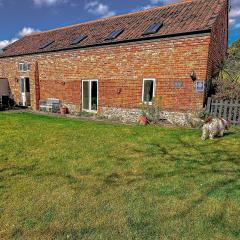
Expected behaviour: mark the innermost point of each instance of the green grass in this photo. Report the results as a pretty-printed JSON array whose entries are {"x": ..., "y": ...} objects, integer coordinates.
[{"x": 69, "y": 179}]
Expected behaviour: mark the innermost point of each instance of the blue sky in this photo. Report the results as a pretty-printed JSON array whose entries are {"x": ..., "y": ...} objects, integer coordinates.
[{"x": 21, "y": 17}]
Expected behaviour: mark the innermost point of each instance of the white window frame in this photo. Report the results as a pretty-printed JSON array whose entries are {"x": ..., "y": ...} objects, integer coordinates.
[
  {"x": 22, "y": 64},
  {"x": 154, "y": 89},
  {"x": 20, "y": 67},
  {"x": 90, "y": 95}
]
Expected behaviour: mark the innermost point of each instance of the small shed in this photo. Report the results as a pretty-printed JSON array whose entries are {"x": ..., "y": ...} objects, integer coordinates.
[{"x": 4, "y": 92}]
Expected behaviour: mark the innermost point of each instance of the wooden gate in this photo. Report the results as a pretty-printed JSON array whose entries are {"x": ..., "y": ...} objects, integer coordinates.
[{"x": 227, "y": 109}]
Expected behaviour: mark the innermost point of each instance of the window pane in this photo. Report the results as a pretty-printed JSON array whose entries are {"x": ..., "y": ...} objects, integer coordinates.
[
  {"x": 27, "y": 82},
  {"x": 153, "y": 28},
  {"x": 86, "y": 95},
  {"x": 94, "y": 94},
  {"x": 148, "y": 91},
  {"x": 22, "y": 85},
  {"x": 79, "y": 39},
  {"x": 114, "y": 34},
  {"x": 45, "y": 45}
]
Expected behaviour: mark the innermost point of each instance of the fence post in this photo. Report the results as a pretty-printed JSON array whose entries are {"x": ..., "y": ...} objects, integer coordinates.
[
  {"x": 235, "y": 112},
  {"x": 209, "y": 105},
  {"x": 212, "y": 107},
  {"x": 215, "y": 113},
  {"x": 239, "y": 114},
  {"x": 220, "y": 109},
  {"x": 225, "y": 109},
  {"x": 230, "y": 111}
]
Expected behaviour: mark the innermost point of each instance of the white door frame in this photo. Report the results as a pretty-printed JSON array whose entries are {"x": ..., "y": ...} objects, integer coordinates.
[
  {"x": 154, "y": 89},
  {"x": 25, "y": 95},
  {"x": 90, "y": 95}
]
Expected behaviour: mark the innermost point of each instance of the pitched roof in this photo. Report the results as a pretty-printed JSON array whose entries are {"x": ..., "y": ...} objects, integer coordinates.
[{"x": 179, "y": 18}]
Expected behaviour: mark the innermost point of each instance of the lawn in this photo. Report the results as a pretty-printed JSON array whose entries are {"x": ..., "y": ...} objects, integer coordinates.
[{"x": 71, "y": 179}]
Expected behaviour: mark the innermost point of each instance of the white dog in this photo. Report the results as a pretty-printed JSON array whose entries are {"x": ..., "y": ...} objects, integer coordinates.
[{"x": 214, "y": 127}]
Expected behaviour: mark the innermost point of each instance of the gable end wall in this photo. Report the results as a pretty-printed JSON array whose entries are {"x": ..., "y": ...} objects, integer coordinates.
[{"x": 218, "y": 46}]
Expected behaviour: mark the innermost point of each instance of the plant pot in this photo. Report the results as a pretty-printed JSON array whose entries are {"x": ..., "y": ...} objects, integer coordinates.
[
  {"x": 143, "y": 120},
  {"x": 63, "y": 110}
]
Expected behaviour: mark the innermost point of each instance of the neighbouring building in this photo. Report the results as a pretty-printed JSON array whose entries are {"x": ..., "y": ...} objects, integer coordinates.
[{"x": 113, "y": 65}]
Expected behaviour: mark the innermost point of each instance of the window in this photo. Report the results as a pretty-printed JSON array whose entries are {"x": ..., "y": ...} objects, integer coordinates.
[
  {"x": 114, "y": 34},
  {"x": 78, "y": 40},
  {"x": 153, "y": 28},
  {"x": 148, "y": 91},
  {"x": 45, "y": 45},
  {"x": 24, "y": 67}
]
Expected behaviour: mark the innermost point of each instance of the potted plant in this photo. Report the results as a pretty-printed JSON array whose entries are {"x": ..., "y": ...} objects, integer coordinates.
[{"x": 63, "y": 110}]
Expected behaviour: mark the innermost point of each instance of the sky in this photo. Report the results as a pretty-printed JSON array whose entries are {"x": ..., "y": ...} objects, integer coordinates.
[{"x": 19, "y": 18}]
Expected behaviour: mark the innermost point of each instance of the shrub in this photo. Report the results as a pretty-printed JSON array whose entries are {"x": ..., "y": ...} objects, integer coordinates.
[
  {"x": 153, "y": 111},
  {"x": 227, "y": 83}
]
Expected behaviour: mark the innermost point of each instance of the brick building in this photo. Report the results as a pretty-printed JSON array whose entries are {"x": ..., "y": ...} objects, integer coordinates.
[{"x": 112, "y": 65}]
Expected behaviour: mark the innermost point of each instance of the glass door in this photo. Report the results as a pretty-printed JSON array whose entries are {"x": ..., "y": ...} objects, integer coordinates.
[
  {"x": 25, "y": 91},
  {"x": 90, "y": 95}
]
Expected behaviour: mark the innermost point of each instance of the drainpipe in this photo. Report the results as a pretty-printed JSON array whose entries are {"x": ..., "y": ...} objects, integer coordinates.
[{"x": 37, "y": 87}]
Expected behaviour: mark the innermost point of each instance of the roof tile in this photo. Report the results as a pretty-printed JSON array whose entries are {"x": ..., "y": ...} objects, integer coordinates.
[{"x": 183, "y": 17}]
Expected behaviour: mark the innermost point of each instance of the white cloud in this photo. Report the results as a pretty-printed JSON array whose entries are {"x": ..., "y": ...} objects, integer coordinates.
[
  {"x": 232, "y": 21},
  {"x": 27, "y": 31},
  {"x": 99, "y": 9},
  {"x": 143, "y": 8},
  {"x": 235, "y": 12},
  {"x": 22, "y": 33},
  {"x": 5, "y": 43},
  {"x": 155, "y": 3},
  {"x": 146, "y": 7},
  {"x": 48, "y": 2}
]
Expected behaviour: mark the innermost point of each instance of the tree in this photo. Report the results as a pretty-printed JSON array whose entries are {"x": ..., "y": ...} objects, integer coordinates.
[{"x": 227, "y": 83}]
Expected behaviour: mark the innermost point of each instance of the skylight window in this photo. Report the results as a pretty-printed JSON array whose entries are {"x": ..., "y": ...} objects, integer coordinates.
[
  {"x": 114, "y": 34},
  {"x": 78, "y": 39},
  {"x": 153, "y": 28},
  {"x": 45, "y": 45}
]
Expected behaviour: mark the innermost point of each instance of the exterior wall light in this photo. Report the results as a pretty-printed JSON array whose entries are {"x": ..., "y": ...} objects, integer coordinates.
[
  {"x": 119, "y": 90},
  {"x": 193, "y": 76}
]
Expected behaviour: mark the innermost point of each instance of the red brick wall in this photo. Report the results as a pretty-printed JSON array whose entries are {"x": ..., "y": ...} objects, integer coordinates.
[
  {"x": 219, "y": 43},
  {"x": 119, "y": 67}
]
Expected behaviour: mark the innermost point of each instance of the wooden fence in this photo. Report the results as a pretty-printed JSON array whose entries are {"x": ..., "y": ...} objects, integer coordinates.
[{"x": 229, "y": 110}]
